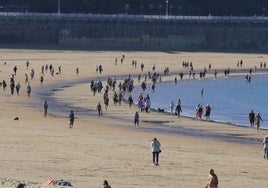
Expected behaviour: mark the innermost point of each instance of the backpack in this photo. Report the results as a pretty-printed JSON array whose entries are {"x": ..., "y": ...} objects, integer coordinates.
[{"x": 64, "y": 183}]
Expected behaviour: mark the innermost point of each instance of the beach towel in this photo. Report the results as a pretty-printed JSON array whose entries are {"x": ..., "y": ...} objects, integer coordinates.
[{"x": 49, "y": 181}]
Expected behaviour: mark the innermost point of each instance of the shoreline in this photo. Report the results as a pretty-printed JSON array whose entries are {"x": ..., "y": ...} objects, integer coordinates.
[
  {"x": 36, "y": 148},
  {"x": 183, "y": 130}
]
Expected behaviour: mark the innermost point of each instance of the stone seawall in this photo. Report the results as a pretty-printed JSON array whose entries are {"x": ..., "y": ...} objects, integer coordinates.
[{"x": 136, "y": 34}]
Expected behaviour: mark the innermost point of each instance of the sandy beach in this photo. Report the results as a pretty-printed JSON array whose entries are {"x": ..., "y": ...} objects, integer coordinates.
[{"x": 34, "y": 148}]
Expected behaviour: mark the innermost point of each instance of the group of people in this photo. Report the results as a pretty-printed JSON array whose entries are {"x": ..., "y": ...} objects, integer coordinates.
[
  {"x": 155, "y": 144},
  {"x": 199, "y": 112},
  {"x": 198, "y": 109},
  {"x": 17, "y": 86},
  {"x": 254, "y": 119},
  {"x": 144, "y": 103}
]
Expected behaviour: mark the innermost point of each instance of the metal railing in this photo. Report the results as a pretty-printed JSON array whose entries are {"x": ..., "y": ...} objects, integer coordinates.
[{"x": 81, "y": 16}]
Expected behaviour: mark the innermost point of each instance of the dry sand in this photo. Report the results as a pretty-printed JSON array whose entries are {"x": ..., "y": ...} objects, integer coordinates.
[{"x": 34, "y": 148}]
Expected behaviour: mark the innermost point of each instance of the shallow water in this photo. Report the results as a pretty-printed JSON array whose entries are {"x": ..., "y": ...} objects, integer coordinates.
[
  {"x": 56, "y": 106},
  {"x": 231, "y": 99}
]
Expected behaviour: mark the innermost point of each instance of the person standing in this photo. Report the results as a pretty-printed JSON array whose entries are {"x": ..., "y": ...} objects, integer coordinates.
[
  {"x": 258, "y": 120},
  {"x": 15, "y": 70},
  {"x": 171, "y": 106},
  {"x": 71, "y": 118},
  {"x": 155, "y": 144},
  {"x": 251, "y": 117},
  {"x": 142, "y": 66},
  {"x": 178, "y": 110},
  {"x": 202, "y": 93},
  {"x": 45, "y": 109},
  {"x": 27, "y": 64},
  {"x": 212, "y": 180},
  {"x": 265, "y": 147},
  {"x": 200, "y": 112},
  {"x": 207, "y": 112},
  {"x": 77, "y": 71},
  {"x": 136, "y": 119}
]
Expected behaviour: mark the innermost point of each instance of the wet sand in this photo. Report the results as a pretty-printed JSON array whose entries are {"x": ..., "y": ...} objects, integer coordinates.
[{"x": 35, "y": 148}]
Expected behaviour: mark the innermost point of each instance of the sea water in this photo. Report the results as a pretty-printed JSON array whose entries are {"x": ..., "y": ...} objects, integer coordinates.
[{"x": 231, "y": 99}]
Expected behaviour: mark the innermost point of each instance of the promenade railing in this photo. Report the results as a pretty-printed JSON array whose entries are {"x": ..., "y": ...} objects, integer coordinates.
[{"x": 127, "y": 17}]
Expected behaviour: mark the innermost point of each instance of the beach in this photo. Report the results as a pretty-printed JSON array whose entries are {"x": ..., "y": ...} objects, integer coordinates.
[{"x": 35, "y": 149}]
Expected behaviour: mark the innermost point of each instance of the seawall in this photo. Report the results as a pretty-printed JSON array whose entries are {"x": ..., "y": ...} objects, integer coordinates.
[{"x": 139, "y": 34}]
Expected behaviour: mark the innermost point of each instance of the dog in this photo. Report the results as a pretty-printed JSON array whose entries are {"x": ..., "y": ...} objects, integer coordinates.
[
  {"x": 161, "y": 110},
  {"x": 16, "y": 118}
]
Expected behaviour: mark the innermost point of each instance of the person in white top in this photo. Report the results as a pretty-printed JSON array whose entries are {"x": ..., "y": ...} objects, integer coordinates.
[
  {"x": 171, "y": 106},
  {"x": 212, "y": 180},
  {"x": 265, "y": 147}
]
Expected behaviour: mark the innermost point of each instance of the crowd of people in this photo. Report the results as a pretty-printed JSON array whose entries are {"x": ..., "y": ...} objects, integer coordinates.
[
  {"x": 144, "y": 103},
  {"x": 120, "y": 89}
]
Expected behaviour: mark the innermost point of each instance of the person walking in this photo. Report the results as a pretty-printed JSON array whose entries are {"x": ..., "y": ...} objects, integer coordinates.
[
  {"x": 71, "y": 118},
  {"x": 45, "y": 109},
  {"x": 28, "y": 89},
  {"x": 18, "y": 88},
  {"x": 265, "y": 147},
  {"x": 130, "y": 100},
  {"x": 12, "y": 86},
  {"x": 207, "y": 112},
  {"x": 99, "y": 109},
  {"x": 251, "y": 117},
  {"x": 41, "y": 80},
  {"x": 4, "y": 85},
  {"x": 136, "y": 119},
  {"x": 155, "y": 144},
  {"x": 258, "y": 120},
  {"x": 212, "y": 180}
]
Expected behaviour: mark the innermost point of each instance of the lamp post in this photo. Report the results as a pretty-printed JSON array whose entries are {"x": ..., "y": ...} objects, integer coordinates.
[
  {"x": 59, "y": 8},
  {"x": 166, "y": 9}
]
